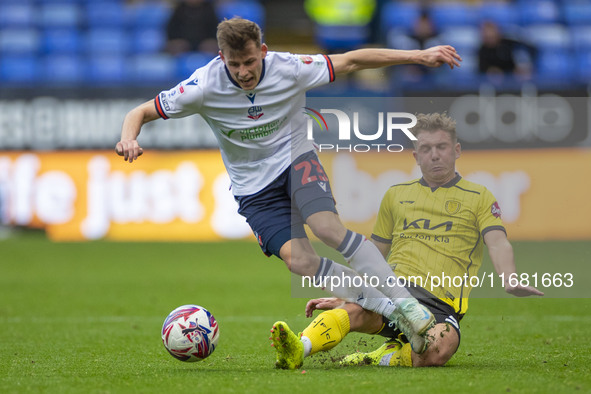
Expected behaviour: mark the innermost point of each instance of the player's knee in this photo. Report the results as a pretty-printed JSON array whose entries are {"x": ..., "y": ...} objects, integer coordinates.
[
  {"x": 327, "y": 227},
  {"x": 327, "y": 233},
  {"x": 302, "y": 263}
]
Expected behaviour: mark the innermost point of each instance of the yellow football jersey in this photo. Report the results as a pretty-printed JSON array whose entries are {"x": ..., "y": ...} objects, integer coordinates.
[{"x": 437, "y": 234}]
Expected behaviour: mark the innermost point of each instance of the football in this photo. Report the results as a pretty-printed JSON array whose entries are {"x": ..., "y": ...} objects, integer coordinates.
[{"x": 190, "y": 333}]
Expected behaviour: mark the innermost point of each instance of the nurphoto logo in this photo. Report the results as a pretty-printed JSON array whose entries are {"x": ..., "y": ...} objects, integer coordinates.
[{"x": 347, "y": 130}]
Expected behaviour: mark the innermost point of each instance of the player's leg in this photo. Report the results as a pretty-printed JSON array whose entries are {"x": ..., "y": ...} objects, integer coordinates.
[
  {"x": 325, "y": 332},
  {"x": 312, "y": 196},
  {"x": 330, "y": 327},
  {"x": 444, "y": 339},
  {"x": 302, "y": 260},
  {"x": 280, "y": 232},
  {"x": 443, "y": 343}
]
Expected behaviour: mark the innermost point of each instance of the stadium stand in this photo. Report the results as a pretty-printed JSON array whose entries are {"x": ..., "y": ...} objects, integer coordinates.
[{"x": 91, "y": 42}]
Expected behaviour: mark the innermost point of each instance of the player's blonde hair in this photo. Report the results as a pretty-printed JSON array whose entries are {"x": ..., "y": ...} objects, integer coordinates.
[
  {"x": 233, "y": 34},
  {"x": 434, "y": 122}
]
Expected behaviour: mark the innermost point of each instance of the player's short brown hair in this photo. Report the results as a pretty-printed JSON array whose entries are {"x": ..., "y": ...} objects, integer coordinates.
[
  {"x": 434, "y": 122},
  {"x": 233, "y": 34}
]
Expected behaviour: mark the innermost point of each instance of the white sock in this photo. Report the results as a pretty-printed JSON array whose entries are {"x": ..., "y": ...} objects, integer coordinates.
[
  {"x": 307, "y": 345},
  {"x": 344, "y": 283},
  {"x": 367, "y": 259}
]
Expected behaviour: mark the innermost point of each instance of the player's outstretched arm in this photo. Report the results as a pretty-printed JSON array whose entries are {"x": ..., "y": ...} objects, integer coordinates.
[
  {"x": 501, "y": 255},
  {"x": 128, "y": 146},
  {"x": 362, "y": 59}
]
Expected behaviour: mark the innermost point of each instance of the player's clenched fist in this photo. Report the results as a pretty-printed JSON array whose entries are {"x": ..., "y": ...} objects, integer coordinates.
[{"x": 129, "y": 149}]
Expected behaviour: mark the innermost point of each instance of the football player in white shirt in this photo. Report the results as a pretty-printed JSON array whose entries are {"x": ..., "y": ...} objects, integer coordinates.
[{"x": 252, "y": 99}]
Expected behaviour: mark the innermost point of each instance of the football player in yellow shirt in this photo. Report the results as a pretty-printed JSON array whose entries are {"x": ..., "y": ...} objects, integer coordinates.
[{"x": 432, "y": 231}]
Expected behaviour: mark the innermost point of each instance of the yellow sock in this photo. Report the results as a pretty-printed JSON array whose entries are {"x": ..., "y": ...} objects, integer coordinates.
[
  {"x": 403, "y": 357},
  {"x": 326, "y": 331}
]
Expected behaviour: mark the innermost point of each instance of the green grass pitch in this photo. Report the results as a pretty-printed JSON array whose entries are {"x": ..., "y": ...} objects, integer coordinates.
[{"x": 86, "y": 317}]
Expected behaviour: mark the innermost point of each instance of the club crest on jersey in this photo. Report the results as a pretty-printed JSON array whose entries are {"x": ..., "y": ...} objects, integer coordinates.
[
  {"x": 255, "y": 112},
  {"x": 452, "y": 207},
  {"x": 495, "y": 210}
]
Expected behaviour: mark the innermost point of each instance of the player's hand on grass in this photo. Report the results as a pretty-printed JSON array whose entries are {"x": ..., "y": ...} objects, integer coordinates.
[
  {"x": 439, "y": 55},
  {"x": 129, "y": 149},
  {"x": 323, "y": 304},
  {"x": 522, "y": 291}
]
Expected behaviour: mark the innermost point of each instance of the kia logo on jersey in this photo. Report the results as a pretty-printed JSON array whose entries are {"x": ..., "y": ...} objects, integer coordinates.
[{"x": 255, "y": 112}]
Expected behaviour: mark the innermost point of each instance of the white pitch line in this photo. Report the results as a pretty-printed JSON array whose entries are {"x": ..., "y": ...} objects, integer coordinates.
[{"x": 124, "y": 319}]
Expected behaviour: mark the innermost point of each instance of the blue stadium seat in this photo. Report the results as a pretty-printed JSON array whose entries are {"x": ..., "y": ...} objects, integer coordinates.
[
  {"x": 148, "y": 40},
  {"x": 60, "y": 1},
  {"x": 61, "y": 41},
  {"x": 189, "y": 62},
  {"x": 454, "y": 14},
  {"x": 19, "y": 41},
  {"x": 548, "y": 37},
  {"x": 17, "y": 15},
  {"x": 20, "y": 69},
  {"x": 63, "y": 69},
  {"x": 581, "y": 37},
  {"x": 501, "y": 13},
  {"x": 554, "y": 67},
  {"x": 464, "y": 78},
  {"x": 156, "y": 68},
  {"x": 341, "y": 37},
  {"x": 149, "y": 14},
  {"x": 60, "y": 15},
  {"x": 247, "y": 9},
  {"x": 11, "y": 2},
  {"x": 578, "y": 13},
  {"x": 583, "y": 61},
  {"x": 109, "y": 69},
  {"x": 463, "y": 38},
  {"x": 539, "y": 12},
  {"x": 107, "y": 41},
  {"x": 397, "y": 38},
  {"x": 105, "y": 14},
  {"x": 399, "y": 15}
]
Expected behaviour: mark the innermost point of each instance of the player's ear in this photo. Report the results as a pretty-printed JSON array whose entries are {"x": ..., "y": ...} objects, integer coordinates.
[
  {"x": 222, "y": 56},
  {"x": 458, "y": 150},
  {"x": 264, "y": 49}
]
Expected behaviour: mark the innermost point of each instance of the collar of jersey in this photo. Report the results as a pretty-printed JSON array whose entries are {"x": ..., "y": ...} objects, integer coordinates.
[
  {"x": 236, "y": 83},
  {"x": 451, "y": 183}
]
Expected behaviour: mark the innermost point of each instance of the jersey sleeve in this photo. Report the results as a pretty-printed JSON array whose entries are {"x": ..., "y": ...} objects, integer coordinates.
[
  {"x": 313, "y": 70},
  {"x": 489, "y": 214},
  {"x": 384, "y": 227},
  {"x": 184, "y": 99}
]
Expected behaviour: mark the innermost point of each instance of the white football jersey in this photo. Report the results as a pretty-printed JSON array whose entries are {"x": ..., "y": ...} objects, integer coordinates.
[{"x": 259, "y": 131}]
